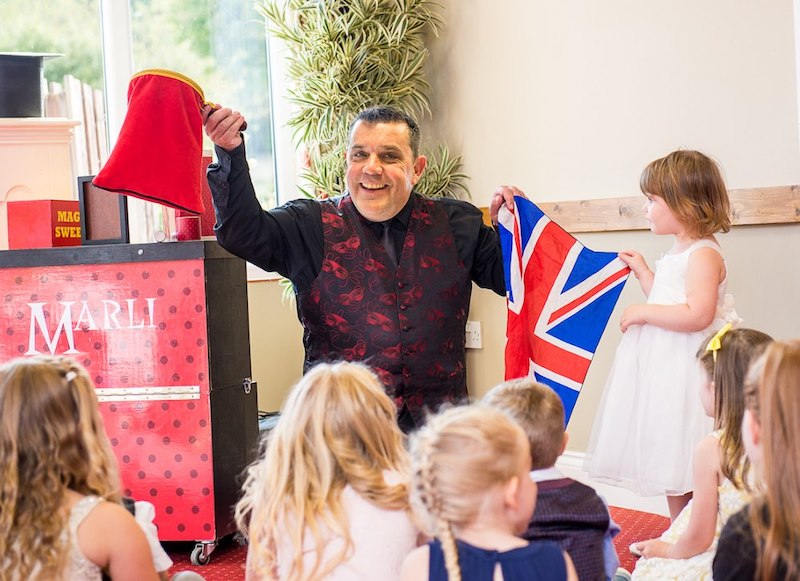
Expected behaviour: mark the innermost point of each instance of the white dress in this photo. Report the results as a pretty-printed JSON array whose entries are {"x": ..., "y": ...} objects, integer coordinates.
[
  {"x": 381, "y": 540},
  {"x": 650, "y": 416},
  {"x": 698, "y": 567}
]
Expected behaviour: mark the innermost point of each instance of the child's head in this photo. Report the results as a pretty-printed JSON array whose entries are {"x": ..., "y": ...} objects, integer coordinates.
[
  {"x": 540, "y": 413},
  {"x": 337, "y": 428},
  {"x": 51, "y": 440},
  {"x": 692, "y": 186},
  {"x": 464, "y": 462},
  {"x": 725, "y": 357},
  {"x": 772, "y": 431}
]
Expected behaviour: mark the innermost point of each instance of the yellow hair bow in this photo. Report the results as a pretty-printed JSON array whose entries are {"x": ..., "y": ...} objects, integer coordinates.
[{"x": 716, "y": 341}]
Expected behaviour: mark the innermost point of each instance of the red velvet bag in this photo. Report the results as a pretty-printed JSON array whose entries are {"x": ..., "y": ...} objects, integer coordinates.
[{"x": 159, "y": 151}]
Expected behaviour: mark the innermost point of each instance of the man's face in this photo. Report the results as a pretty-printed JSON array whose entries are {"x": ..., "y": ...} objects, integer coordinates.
[{"x": 381, "y": 170}]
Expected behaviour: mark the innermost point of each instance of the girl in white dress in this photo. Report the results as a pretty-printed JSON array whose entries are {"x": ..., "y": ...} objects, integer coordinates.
[
  {"x": 59, "y": 489},
  {"x": 722, "y": 474},
  {"x": 650, "y": 417},
  {"x": 329, "y": 499}
]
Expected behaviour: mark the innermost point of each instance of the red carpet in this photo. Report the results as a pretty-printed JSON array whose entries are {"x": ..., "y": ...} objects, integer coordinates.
[
  {"x": 227, "y": 561},
  {"x": 636, "y": 526}
]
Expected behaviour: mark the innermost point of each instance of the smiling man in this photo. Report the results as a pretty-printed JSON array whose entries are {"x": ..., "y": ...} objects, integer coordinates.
[{"x": 382, "y": 274}]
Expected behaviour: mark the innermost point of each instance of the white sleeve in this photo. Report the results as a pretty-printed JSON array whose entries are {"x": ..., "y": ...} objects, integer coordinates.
[{"x": 144, "y": 514}]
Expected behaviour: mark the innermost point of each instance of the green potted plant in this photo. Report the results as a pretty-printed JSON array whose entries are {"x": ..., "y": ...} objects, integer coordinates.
[{"x": 345, "y": 55}]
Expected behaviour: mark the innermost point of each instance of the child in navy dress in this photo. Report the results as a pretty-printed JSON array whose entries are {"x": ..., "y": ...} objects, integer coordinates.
[{"x": 471, "y": 491}]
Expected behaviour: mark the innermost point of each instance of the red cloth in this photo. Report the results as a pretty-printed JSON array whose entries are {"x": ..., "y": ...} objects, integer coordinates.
[{"x": 158, "y": 154}]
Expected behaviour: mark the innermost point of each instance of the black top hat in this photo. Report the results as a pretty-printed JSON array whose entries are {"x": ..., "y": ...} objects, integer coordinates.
[{"x": 21, "y": 83}]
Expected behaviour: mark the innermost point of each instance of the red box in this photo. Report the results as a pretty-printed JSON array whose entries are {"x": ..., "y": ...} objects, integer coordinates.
[{"x": 43, "y": 224}]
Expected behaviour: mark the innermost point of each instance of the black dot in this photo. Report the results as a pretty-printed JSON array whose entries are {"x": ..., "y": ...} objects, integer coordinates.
[
  {"x": 200, "y": 342},
  {"x": 193, "y": 474},
  {"x": 163, "y": 360},
  {"x": 178, "y": 458},
  {"x": 141, "y": 474},
  {"x": 128, "y": 492},
  {"x": 162, "y": 325},
  {"x": 145, "y": 274},
  {"x": 207, "y": 527},
  {"x": 192, "y": 439},
  {"x": 168, "y": 509},
  {"x": 190, "y": 405},
  {"x": 98, "y": 379},
  {"x": 18, "y": 280},
  {"x": 126, "y": 459},
  {"x": 198, "y": 308},
  {"x": 197, "y": 272},
  {"x": 173, "y": 309},
  {"x": 97, "y": 346},
  {"x": 189, "y": 359},
  {"x": 135, "y": 293},
  {"x": 165, "y": 406},
  {"x": 177, "y": 423},
  {"x": 171, "y": 273},
  {"x": 139, "y": 441},
  {"x": 188, "y": 324},
  {"x": 161, "y": 292},
  {"x": 187, "y": 291},
  {"x": 206, "y": 491},
  {"x": 174, "y": 343},
  {"x": 120, "y": 276},
  {"x": 166, "y": 440},
  {"x": 112, "y": 407},
  {"x": 204, "y": 457},
  {"x": 9, "y": 331},
  {"x": 151, "y": 424},
  {"x": 176, "y": 377},
  {"x": 114, "y": 441},
  {"x": 179, "y": 491},
  {"x": 203, "y": 423},
  {"x": 124, "y": 425},
  {"x": 181, "y": 527},
  {"x": 195, "y": 510},
  {"x": 168, "y": 474},
  {"x": 153, "y": 492},
  {"x": 151, "y": 458}
]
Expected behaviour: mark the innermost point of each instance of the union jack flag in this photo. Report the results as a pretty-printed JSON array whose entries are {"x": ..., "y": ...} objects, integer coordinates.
[{"x": 560, "y": 297}]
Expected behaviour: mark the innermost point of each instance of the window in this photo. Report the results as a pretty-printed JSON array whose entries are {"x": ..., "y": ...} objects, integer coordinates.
[{"x": 219, "y": 43}]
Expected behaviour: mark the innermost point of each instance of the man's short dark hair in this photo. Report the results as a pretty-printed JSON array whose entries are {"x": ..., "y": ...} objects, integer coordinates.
[{"x": 390, "y": 115}]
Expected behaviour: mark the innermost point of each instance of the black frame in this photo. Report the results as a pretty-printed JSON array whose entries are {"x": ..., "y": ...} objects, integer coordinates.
[{"x": 85, "y": 188}]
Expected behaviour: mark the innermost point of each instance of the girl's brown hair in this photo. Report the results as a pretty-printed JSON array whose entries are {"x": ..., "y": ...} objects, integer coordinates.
[
  {"x": 691, "y": 184},
  {"x": 51, "y": 440},
  {"x": 727, "y": 368},
  {"x": 773, "y": 397}
]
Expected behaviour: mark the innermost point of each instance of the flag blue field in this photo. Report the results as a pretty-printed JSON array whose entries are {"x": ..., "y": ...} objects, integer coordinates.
[{"x": 560, "y": 298}]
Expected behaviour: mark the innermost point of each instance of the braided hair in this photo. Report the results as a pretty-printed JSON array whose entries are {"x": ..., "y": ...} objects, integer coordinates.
[{"x": 456, "y": 459}]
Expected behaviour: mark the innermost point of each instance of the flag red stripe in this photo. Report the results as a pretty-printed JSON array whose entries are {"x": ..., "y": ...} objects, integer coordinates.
[
  {"x": 558, "y": 360},
  {"x": 588, "y": 294}
]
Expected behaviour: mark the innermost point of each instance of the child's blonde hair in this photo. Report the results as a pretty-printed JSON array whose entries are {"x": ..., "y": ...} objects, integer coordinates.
[
  {"x": 51, "y": 440},
  {"x": 456, "y": 458},
  {"x": 337, "y": 428},
  {"x": 773, "y": 397},
  {"x": 691, "y": 184},
  {"x": 540, "y": 413},
  {"x": 726, "y": 362}
]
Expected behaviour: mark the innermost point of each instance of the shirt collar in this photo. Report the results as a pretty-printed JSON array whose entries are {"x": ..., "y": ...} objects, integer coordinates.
[{"x": 551, "y": 473}]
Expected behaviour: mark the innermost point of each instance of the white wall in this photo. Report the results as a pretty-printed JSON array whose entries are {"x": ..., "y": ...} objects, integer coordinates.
[{"x": 571, "y": 100}]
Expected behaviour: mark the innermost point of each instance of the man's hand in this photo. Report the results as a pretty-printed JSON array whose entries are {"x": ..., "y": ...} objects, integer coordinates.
[
  {"x": 503, "y": 195},
  {"x": 223, "y": 126}
]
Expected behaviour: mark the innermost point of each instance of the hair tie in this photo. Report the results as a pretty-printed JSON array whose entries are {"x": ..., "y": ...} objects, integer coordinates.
[
  {"x": 70, "y": 375},
  {"x": 716, "y": 341}
]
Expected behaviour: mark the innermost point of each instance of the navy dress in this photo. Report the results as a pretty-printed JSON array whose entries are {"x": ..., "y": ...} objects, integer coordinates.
[{"x": 542, "y": 561}]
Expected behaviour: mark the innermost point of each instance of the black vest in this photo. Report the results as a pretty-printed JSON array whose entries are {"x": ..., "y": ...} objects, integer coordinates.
[{"x": 408, "y": 322}]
